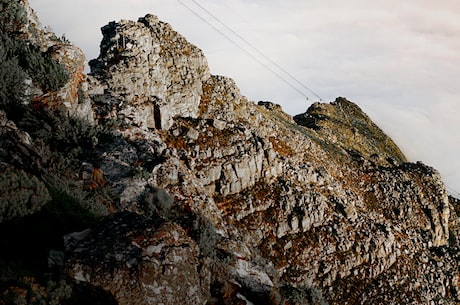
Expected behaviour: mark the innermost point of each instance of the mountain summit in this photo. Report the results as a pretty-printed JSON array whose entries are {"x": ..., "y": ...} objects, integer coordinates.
[{"x": 152, "y": 181}]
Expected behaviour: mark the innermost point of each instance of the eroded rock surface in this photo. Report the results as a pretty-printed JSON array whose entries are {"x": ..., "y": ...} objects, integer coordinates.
[
  {"x": 218, "y": 200},
  {"x": 139, "y": 261},
  {"x": 146, "y": 65}
]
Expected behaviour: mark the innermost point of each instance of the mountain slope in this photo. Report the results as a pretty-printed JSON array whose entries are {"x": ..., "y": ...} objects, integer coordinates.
[{"x": 212, "y": 198}]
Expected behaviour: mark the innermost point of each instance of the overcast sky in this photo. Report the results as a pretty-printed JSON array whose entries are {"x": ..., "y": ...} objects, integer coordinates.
[{"x": 398, "y": 60}]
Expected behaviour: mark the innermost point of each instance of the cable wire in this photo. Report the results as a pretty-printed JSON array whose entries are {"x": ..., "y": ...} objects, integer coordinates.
[
  {"x": 452, "y": 191},
  {"x": 249, "y": 53},
  {"x": 256, "y": 49}
]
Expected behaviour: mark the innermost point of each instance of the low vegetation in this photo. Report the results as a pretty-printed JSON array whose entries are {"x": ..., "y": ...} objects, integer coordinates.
[{"x": 41, "y": 198}]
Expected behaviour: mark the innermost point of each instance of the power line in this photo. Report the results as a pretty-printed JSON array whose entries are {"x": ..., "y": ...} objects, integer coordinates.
[
  {"x": 244, "y": 50},
  {"x": 452, "y": 191},
  {"x": 257, "y": 50},
  {"x": 247, "y": 52}
]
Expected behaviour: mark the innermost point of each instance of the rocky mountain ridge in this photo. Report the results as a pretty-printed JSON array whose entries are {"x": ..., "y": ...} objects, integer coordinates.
[{"x": 208, "y": 198}]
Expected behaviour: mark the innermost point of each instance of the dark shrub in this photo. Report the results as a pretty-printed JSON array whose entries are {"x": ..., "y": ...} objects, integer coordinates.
[
  {"x": 18, "y": 61},
  {"x": 12, "y": 76},
  {"x": 12, "y": 16},
  {"x": 43, "y": 69},
  {"x": 20, "y": 194}
]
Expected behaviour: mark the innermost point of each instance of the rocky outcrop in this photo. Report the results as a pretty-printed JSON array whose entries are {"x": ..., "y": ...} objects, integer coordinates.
[
  {"x": 346, "y": 125},
  {"x": 139, "y": 261},
  {"x": 146, "y": 65},
  {"x": 218, "y": 200}
]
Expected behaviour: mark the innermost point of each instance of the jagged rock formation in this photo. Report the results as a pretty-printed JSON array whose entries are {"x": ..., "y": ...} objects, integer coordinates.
[
  {"x": 164, "y": 74},
  {"x": 218, "y": 200},
  {"x": 344, "y": 124}
]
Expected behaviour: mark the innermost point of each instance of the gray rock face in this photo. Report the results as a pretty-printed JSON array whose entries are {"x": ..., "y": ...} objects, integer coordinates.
[{"x": 147, "y": 65}]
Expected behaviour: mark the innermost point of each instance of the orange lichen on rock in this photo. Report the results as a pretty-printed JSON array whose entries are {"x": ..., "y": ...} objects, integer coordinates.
[
  {"x": 97, "y": 178},
  {"x": 281, "y": 147}
]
